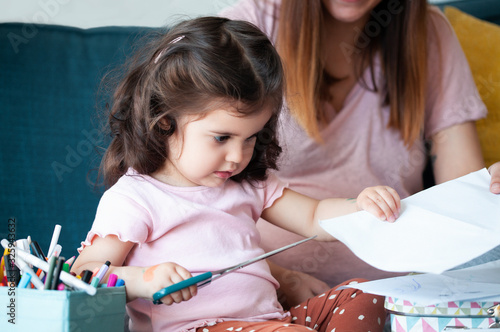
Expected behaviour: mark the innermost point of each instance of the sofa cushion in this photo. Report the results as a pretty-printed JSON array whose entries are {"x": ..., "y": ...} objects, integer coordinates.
[
  {"x": 480, "y": 41},
  {"x": 49, "y": 127}
]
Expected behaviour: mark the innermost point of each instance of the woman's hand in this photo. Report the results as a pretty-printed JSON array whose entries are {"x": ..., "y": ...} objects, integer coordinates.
[
  {"x": 381, "y": 201},
  {"x": 296, "y": 287},
  {"x": 495, "y": 178}
]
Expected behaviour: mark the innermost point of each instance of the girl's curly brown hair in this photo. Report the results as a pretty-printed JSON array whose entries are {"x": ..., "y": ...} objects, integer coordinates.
[{"x": 183, "y": 71}]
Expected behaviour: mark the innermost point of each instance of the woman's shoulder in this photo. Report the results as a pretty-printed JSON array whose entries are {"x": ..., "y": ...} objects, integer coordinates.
[
  {"x": 263, "y": 13},
  {"x": 438, "y": 24},
  {"x": 443, "y": 45},
  {"x": 435, "y": 12}
]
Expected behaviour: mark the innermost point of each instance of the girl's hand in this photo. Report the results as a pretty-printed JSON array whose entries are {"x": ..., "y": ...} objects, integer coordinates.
[
  {"x": 381, "y": 201},
  {"x": 142, "y": 282},
  {"x": 163, "y": 275}
]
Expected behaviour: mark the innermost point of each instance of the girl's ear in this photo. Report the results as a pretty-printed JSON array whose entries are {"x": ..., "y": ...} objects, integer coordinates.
[{"x": 167, "y": 125}]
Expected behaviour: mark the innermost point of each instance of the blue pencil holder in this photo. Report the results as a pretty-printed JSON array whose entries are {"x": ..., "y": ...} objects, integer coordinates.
[{"x": 54, "y": 311}]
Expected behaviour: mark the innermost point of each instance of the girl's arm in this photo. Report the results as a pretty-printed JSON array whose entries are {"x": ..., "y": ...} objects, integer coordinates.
[
  {"x": 140, "y": 282},
  {"x": 455, "y": 152},
  {"x": 300, "y": 214}
]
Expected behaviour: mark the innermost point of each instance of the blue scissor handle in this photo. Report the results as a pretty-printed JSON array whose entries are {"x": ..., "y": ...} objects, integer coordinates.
[{"x": 180, "y": 285}]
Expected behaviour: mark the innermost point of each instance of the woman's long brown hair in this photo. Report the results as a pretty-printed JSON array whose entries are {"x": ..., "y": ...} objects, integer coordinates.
[{"x": 402, "y": 44}]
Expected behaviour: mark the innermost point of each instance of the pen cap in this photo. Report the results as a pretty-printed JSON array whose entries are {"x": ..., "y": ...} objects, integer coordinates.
[
  {"x": 57, "y": 250},
  {"x": 25, "y": 280},
  {"x": 112, "y": 280},
  {"x": 57, "y": 273},
  {"x": 95, "y": 282},
  {"x": 23, "y": 244},
  {"x": 102, "y": 271},
  {"x": 37, "y": 250},
  {"x": 86, "y": 276}
]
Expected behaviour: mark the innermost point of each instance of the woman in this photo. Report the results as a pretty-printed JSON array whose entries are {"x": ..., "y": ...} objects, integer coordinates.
[{"x": 373, "y": 87}]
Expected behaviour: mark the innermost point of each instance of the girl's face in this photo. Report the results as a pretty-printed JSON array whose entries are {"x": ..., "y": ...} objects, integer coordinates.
[
  {"x": 208, "y": 151},
  {"x": 350, "y": 11}
]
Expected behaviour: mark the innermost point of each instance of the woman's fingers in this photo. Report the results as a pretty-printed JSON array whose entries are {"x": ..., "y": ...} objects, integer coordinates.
[{"x": 495, "y": 178}]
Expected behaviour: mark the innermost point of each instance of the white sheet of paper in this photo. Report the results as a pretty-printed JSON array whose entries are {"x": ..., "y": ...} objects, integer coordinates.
[
  {"x": 428, "y": 289},
  {"x": 438, "y": 229}
]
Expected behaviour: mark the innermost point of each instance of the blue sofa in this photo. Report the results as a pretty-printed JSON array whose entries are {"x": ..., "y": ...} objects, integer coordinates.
[{"x": 51, "y": 142}]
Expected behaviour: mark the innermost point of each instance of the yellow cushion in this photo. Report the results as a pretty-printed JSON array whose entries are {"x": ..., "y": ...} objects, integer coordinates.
[{"x": 480, "y": 41}]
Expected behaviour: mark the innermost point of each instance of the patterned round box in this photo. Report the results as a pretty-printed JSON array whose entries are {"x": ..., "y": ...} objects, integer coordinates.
[{"x": 410, "y": 317}]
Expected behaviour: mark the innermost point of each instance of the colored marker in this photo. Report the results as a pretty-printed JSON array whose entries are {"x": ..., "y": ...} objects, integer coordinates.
[
  {"x": 5, "y": 252},
  {"x": 67, "y": 278},
  {"x": 53, "y": 241},
  {"x": 23, "y": 244},
  {"x": 40, "y": 274},
  {"x": 37, "y": 251},
  {"x": 57, "y": 250},
  {"x": 112, "y": 280},
  {"x": 11, "y": 270},
  {"x": 86, "y": 276},
  {"x": 50, "y": 272},
  {"x": 23, "y": 266},
  {"x": 2, "y": 266},
  {"x": 25, "y": 280},
  {"x": 57, "y": 273},
  {"x": 101, "y": 273},
  {"x": 95, "y": 282},
  {"x": 120, "y": 282}
]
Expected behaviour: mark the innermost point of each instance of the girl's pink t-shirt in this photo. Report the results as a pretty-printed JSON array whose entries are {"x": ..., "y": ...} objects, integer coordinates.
[
  {"x": 202, "y": 229},
  {"x": 358, "y": 149}
]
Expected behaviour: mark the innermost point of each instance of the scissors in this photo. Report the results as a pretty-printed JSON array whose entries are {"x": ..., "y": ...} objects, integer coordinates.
[
  {"x": 206, "y": 278},
  {"x": 494, "y": 311}
]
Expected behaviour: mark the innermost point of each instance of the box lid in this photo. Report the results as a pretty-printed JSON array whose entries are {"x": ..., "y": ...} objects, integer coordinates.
[{"x": 458, "y": 308}]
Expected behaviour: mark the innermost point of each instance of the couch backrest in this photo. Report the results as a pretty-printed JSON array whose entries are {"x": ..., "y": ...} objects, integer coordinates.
[
  {"x": 488, "y": 10},
  {"x": 49, "y": 79}
]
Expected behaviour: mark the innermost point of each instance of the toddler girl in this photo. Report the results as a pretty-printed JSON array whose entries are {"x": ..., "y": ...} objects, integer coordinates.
[{"x": 194, "y": 135}]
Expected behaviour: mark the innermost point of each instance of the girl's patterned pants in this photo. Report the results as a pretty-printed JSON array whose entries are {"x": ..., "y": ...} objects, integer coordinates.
[{"x": 335, "y": 311}]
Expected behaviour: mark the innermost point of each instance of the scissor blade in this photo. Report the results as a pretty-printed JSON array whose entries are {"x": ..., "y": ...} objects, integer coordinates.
[
  {"x": 259, "y": 258},
  {"x": 206, "y": 278}
]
